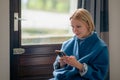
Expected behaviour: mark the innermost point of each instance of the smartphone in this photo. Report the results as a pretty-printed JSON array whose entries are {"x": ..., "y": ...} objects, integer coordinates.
[{"x": 60, "y": 53}]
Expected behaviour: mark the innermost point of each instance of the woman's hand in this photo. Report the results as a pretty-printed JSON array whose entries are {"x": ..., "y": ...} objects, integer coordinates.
[
  {"x": 71, "y": 60},
  {"x": 62, "y": 63}
]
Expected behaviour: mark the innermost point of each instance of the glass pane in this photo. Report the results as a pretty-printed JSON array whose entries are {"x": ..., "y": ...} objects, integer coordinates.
[{"x": 46, "y": 21}]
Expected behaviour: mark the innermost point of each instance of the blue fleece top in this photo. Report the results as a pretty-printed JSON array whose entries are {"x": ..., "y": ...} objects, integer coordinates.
[{"x": 92, "y": 50}]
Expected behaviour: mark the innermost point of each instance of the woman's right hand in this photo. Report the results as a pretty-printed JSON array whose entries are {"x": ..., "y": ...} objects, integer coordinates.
[{"x": 62, "y": 63}]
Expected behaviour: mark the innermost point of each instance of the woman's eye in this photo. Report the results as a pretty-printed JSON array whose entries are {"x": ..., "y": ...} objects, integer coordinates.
[{"x": 78, "y": 26}]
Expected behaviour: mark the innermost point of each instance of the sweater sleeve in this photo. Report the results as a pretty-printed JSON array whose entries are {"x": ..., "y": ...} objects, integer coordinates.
[
  {"x": 85, "y": 69},
  {"x": 97, "y": 67}
]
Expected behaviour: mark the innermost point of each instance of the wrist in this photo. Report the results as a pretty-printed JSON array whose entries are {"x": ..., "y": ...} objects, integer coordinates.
[
  {"x": 84, "y": 70},
  {"x": 80, "y": 66}
]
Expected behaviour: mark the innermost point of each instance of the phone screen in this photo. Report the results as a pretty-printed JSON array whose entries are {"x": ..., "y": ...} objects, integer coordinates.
[{"x": 60, "y": 53}]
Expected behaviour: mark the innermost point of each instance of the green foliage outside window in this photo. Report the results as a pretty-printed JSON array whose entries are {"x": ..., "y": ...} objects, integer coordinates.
[{"x": 49, "y": 5}]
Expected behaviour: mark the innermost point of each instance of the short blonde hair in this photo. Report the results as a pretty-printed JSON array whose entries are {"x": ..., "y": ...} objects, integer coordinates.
[{"x": 85, "y": 16}]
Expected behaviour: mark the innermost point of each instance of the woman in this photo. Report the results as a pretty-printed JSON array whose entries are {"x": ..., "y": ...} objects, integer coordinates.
[{"x": 86, "y": 54}]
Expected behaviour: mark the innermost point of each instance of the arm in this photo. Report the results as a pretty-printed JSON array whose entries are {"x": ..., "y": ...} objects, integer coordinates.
[{"x": 98, "y": 66}]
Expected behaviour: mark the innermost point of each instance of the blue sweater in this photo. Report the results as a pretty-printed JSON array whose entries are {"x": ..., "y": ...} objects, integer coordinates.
[{"x": 92, "y": 51}]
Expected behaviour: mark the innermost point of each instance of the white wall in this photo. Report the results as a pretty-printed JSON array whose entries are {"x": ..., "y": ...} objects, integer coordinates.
[
  {"x": 114, "y": 39},
  {"x": 4, "y": 39}
]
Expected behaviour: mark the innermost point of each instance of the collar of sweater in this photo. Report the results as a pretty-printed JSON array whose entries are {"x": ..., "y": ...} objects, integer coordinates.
[{"x": 89, "y": 39}]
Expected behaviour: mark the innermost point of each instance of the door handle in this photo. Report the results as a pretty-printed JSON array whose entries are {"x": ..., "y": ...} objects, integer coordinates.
[
  {"x": 16, "y": 19},
  {"x": 18, "y": 51}
]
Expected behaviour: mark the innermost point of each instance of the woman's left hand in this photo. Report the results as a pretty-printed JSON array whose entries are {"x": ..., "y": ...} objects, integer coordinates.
[{"x": 71, "y": 60}]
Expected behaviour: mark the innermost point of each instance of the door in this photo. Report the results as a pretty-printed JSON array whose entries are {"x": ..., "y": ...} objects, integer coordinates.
[{"x": 37, "y": 29}]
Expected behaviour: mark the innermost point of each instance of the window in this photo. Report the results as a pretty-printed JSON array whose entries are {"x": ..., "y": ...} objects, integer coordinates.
[{"x": 46, "y": 21}]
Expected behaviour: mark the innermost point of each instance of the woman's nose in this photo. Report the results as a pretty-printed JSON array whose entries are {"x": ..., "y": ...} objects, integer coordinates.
[{"x": 75, "y": 30}]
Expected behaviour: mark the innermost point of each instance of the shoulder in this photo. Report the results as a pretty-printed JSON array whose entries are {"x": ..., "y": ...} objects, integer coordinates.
[
  {"x": 68, "y": 44},
  {"x": 99, "y": 40},
  {"x": 69, "y": 41},
  {"x": 102, "y": 43}
]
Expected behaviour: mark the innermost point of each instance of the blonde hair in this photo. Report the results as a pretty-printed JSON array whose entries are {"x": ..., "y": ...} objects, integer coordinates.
[{"x": 85, "y": 16}]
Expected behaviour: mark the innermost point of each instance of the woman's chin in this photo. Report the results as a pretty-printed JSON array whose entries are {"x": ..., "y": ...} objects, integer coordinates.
[{"x": 79, "y": 36}]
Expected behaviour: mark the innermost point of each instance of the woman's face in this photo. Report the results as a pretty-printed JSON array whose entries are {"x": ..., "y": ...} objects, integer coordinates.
[{"x": 80, "y": 28}]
